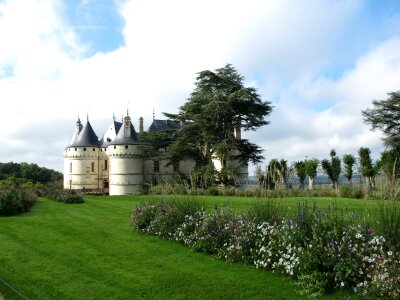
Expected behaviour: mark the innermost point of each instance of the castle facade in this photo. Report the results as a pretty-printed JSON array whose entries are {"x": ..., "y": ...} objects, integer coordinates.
[{"x": 116, "y": 164}]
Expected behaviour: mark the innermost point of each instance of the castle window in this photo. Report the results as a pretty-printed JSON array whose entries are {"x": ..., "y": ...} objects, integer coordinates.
[
  {"x": 105, "y": 165},
  {"x": 92, "y": 166},
  {"x": 176, "y": 167},
  {"x": 76, "y": 149},
  {"x": 70, "y": 167},
  {"x": 126, "y": 146},
  {"x": 84, "y": 149},
  {"x": 156, "y": 166},
  {"x": 115, "y": 147},
  {"x": 94, "y": 149}
]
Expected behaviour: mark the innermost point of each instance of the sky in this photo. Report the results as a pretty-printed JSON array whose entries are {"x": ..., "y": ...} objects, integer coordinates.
[{"x": 319, "y": 62}]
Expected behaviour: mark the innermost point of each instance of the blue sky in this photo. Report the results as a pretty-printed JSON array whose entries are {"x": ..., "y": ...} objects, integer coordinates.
[{"x": 320, "y": 62}]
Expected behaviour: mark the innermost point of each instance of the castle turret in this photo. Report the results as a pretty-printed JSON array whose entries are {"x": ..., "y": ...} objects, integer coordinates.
[
  {"x": 126, "y": 161},
  {"x": 81, "y": 159}
]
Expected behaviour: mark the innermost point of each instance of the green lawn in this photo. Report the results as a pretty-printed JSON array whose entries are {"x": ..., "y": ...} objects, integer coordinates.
[{"x": 89, "y": 251}]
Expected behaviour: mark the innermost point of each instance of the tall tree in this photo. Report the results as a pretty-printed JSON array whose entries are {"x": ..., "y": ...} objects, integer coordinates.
[
  {"x": 349, "y": 161},
  {"x": 389, "y": 164},
  {"x": 332, "y": 168},
  {"x": 300, "y": 167},
  {"x": 311, "y": 171},
  {"x": 385, "y": 116},
  {"x": 367, "y": 168},
  {"x": 216, "y": 111}
]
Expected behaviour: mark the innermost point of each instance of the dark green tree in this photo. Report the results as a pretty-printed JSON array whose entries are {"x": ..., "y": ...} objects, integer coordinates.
[
  {"x": 385, "y": 116},
  {"x": 300, "y": 167},
  {"x": 389, "y": 165},
  {"x": 348, "y": 161},
  {"x": 216, "y": 111},
  {"x": 367, "y": 169},
  {"x": 332, "y": 168},
  {"x": 311, "y": 171}
]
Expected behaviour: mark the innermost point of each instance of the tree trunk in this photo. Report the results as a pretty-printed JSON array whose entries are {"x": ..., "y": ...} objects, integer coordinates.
[
  {"x": 301, "y": 184},
  {"x": 311, "y": 183}
]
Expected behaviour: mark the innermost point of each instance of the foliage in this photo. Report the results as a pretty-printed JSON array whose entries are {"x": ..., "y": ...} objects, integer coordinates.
[
  {"x": 351, "y": 191},
  {"x": 31, "y": 172},
  {"x": 152, "y": 143},
  {"x": 390, "y": 165},
  {"x": 54, "y": 192},
  {"x": 300, "y": 167},
  {"x": 348, "y": 160},
  {"x": 311, "y": 170},
  {"x": 15, "y": 199},
  {"x": 325, "y": 249},
  {"x": 219, "y": 106},
  {"x": 384, "y": 116},
  {"x": 275, "y": 175},
  {"x": 367, "y": 168},
  {"x": 332, "y": 168},
  {"x": 389, "y": 224}
]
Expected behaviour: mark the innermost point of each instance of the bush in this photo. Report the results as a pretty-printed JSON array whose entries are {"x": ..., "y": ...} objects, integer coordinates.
[
  {"x": 56, "y": 193},
  {"x": 15, "y": 200},
  {"x": 350, "y": 191},
  {"x": 323, "y": 249}
]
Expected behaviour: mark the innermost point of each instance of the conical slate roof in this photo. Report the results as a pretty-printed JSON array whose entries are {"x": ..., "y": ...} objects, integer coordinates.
[
  {"x": 123, "y": 139},
  {"x": 86, "y": 138},
  {"x": 110, "y": 134}
]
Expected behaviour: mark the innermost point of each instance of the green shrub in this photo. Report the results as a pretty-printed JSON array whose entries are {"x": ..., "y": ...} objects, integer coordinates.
[
  {"x": 56, "y": 193},
  {"x": 15, "y": 200}
]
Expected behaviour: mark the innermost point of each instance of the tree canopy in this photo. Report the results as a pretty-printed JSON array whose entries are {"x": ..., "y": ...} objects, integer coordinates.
[
  {"x": 349, "y": 160},
  {"x": 31, "y": 172},
  {"x": 218, "y": 108},
  {"x": 332, "y": 168},
  {"x": 385, "y": 116}
]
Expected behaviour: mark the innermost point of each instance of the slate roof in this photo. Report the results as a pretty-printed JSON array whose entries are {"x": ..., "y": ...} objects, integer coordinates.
[
  {"x": 117, "y": 125},
  {"x": 160, "y": 125},
  {"x": 120, "y": 139},
  {"x": 86, "y": 138}
]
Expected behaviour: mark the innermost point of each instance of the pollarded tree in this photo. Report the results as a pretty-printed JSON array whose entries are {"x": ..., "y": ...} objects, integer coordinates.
[
  {"x": 332, "y": 168},
  {"x": 216, "y": 111},
  {"x": 349, "y": 161},
  {"x": 385, "y": 116},
  {"x": 367, "y": 168},
  {"x": 300, "y": 167},
  {"x": 389, "y": 164},
  {"x": 311, "y": 171},
  {"x": 277, "y": 173}
]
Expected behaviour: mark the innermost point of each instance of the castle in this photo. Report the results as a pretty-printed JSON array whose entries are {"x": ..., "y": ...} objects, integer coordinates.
[{"x": 115, "y": 164}]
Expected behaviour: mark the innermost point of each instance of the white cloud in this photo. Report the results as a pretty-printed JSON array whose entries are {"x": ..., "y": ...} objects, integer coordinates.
[
  {"x": 280, "y": 46},
  {"x": 314, "y": 133}
]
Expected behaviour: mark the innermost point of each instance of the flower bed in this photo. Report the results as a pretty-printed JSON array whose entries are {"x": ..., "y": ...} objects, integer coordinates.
[{"x": 323, "y": 250}]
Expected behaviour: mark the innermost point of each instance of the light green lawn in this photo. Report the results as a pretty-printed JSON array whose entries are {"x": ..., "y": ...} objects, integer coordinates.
[{"x": 90, "y": 251}]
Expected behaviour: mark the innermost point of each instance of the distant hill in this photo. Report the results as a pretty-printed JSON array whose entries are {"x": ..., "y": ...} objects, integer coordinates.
[{"x": 31, "y": 172}]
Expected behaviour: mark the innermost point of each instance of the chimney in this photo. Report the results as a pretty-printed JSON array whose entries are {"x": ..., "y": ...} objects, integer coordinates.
[
  {"x": 140, "y": 125},
  {"x": 127, "y": 126}
]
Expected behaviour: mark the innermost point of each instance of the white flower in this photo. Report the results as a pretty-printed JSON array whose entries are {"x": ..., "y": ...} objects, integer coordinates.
[
  {"x": 390, "y": 253},
  {"x": 342, "y": 283}
]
